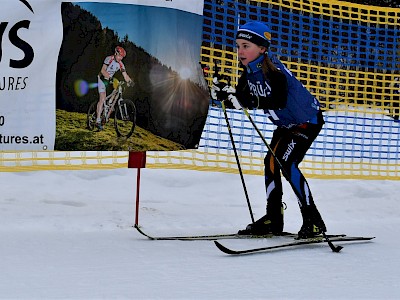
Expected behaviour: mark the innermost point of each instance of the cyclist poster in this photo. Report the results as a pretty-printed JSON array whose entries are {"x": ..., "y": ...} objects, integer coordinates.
[
  {"x": 101, "y": 75},
  {"x": 129, "y": 78}
]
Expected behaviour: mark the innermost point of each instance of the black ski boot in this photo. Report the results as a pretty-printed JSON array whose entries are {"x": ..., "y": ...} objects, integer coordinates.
[
  {"x": 313, "y": 225},
  {"x": 271, "y": 223}
]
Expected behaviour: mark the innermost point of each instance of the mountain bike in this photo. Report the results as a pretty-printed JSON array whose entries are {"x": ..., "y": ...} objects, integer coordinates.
[{"x": 124, "y": 112}]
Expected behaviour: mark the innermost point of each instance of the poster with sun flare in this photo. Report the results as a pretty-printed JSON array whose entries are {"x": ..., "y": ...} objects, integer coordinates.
[{"x": 129, "y": 76}]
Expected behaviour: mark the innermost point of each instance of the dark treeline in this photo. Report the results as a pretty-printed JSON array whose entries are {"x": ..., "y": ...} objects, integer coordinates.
[{"x": 85, "y": 46}]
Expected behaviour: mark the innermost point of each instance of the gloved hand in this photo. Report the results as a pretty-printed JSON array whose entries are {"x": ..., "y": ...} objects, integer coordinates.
[
  {"x": 229, "y": 89},
  {"x": 215, "y": 81},
  {"x": 130, "y": 83},
  {"x": 234, "y": 101},
  {"x": 214, "y": 88}
]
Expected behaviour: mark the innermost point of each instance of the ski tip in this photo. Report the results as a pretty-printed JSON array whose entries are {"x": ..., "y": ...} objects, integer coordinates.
[{"x": 223, "y": 248}]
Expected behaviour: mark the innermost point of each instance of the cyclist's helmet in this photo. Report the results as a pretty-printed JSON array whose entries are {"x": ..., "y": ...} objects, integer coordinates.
[{"x": 121, "y": 51}]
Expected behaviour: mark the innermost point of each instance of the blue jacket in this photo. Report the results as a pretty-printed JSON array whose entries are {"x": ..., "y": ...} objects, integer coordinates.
[{"x": 284, "y": 98}]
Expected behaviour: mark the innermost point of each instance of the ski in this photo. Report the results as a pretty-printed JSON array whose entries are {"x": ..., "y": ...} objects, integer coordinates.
[
  {"x": 209, "y": 237},
  {"x": 213, "y": 237},
  {"x": 319, "y": 239}
]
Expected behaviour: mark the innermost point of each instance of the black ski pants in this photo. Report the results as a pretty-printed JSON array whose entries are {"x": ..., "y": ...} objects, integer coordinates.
[{"x": 289, "y": 146}]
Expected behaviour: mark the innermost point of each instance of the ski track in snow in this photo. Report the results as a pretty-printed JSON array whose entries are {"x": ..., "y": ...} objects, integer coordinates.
[{"x": 69, "y": 235}]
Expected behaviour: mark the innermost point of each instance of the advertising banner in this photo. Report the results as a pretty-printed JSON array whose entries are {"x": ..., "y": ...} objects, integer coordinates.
[{"x": 101, "y": 75}]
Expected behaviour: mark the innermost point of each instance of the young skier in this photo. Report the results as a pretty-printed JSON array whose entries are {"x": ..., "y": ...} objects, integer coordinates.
[{"x": 267, "y": 84}]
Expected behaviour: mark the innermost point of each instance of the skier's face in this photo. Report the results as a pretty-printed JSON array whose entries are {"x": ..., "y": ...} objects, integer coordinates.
[{"x": 248, "y": 51}]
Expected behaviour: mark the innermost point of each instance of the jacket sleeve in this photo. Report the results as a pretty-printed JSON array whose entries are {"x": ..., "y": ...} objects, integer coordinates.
[
  {"x": 279, "y": 91},
  {"x": 276, "y": 100},
  {"x": 246, "y": 99}
]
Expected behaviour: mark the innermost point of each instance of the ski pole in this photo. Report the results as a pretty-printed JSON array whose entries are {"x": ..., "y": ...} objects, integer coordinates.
[
  {"x": 267, "y": 145},
  {"x": 237, "y": 160},
  {"x": 285, "y": 173}
]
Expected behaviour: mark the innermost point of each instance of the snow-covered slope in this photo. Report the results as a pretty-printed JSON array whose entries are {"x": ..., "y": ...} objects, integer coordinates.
[{"x": 68, "y": 234}]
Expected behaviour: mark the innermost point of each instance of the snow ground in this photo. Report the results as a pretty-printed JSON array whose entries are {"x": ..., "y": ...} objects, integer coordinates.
[{"x": 69, "y": 235}]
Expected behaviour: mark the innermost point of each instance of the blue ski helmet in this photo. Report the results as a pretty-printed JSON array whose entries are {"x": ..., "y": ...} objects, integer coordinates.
[{"x": 255, "y": 32}]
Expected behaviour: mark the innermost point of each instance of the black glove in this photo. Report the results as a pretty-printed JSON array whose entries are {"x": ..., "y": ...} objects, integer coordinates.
[
  {"x": 229, "y": 89},
  {"x": 232, "y": 99},
  {"x": 214, "y": 88}
]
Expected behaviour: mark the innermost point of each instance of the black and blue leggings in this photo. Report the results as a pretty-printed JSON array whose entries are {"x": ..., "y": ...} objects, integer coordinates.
[{"x": 290, "y": 147}]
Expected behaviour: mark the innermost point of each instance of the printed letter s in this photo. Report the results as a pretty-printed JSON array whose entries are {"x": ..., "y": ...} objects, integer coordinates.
[{"x": 21, "y": 44}]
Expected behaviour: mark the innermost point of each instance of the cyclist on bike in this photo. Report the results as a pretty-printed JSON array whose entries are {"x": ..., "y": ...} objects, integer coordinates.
[{"x": 111, "y": 65}]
